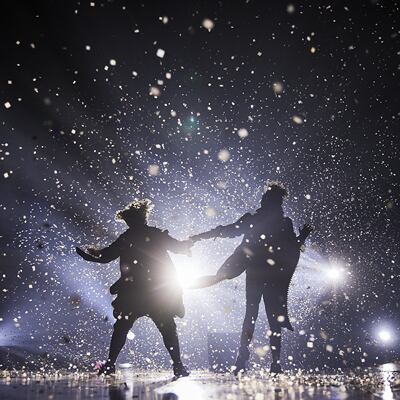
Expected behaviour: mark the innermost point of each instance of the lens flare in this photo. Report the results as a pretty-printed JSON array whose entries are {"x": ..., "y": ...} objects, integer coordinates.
[
  {"x": 335, "y": 272},
  {"x": 385, "y": 335},
  {"x": 186, "y": 268}
]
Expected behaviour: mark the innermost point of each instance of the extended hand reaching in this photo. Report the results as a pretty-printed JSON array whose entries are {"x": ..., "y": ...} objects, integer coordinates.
[
  {"x": 306, "y": 230},
  {"x": 196, "y": 238}
]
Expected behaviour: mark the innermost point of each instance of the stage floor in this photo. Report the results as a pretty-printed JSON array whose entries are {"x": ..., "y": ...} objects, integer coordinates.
[{"x": 128, "y": 384}]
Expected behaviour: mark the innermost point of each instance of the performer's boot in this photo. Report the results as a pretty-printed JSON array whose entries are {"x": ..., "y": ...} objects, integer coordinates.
[
  {"x": 276, "y": 368},
  {"x": 288, "y": 326},
  {"x": 241, "y": 360},
  {"x": 121, "y": 329},
  {"x": 167, "y": 328},
  {"x": 180, "y": 370},
  {"x": 107, "y": 369},
  {"x": 276, "y": 341}
]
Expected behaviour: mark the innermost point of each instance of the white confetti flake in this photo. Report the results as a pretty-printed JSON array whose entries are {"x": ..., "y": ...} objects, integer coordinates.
[
  {"x": 154, "y": 91},
  {"x": 160, "y": 53},
  {"x": 290, "y": 8},
  {"x": 210, "y": 212},
  {"x": 243, "y": 133},
  {"x": 154, "y": 169},
  {"x": 7, "y": 104},
  {"x": 113, "y": 62},
  {"x": 298, "y": 120},
  {"x": 208, "y": 24},
  {"x": 277, "y": 87},
  {"x": 224, "y": 155}
]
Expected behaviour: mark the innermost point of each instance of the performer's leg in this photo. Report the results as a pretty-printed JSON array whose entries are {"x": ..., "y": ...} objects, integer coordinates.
[
  {"x": 275, "y": 341},
  {"x": 253, "y": 297},
  {"x": 118, "y": 339},
  {"x": 167, "y": 328},
  {"x": 275, "y": 310},
  {"x": 231, "y": 268}
]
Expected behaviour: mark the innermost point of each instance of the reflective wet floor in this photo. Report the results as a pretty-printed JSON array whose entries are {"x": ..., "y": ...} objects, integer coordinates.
[{"x": 381, "y": 383}]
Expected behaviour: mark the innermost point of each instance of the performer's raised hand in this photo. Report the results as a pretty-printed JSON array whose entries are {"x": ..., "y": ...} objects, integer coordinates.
[{"x": 306, "y": 230}]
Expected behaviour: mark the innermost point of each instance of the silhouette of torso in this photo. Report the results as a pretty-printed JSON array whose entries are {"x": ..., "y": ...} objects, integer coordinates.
[
  {"x": 148, "y": 282},
  {"x": 144, "y": 258},
  {"x": 269, "y": 244}
]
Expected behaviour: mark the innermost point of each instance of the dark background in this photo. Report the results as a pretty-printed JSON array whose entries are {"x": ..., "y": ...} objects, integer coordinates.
[{"x": 80, "y": 135}]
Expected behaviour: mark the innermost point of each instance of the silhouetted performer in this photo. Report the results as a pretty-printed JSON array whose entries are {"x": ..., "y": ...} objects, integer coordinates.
[
  {"x": 269, "y": 254},
  {"x": 148, "y": 283}
]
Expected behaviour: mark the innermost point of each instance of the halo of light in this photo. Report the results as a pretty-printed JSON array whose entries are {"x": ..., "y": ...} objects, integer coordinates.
[
  {"x": 334, "y": 272},
  {"x": 186, "y": 269},
  {"x": 385, "y": 335}
]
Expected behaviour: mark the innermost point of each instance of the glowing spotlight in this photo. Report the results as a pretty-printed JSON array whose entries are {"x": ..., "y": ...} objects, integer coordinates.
[
  {"x": 186, "y": 269},
  {"x": 385, "y": 335},
  {"x": 335, "y": 272}
]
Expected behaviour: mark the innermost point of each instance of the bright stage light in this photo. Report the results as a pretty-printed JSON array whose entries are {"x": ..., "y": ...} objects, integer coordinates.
[
  {"x": 385, "y": 335},
  {"x": 334, "y": 274},
  {"x": 186, "y": 268}
]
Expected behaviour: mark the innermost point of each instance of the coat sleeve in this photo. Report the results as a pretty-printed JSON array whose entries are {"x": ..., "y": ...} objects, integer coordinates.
[
  {"x": 175, "y": 245},
  {"x": 109, "y": 253},
  {"x": 227, "y": 231}
]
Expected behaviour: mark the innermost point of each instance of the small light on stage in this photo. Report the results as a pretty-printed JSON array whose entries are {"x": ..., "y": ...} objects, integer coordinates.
[{"x": 125, "y": 365}]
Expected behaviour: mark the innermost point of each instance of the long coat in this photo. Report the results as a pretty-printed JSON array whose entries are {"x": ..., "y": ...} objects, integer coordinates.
[{"x": 148, "y": 284}]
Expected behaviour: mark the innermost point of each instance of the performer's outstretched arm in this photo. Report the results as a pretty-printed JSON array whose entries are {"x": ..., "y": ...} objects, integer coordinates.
[
  {"x": 178, "y": 246},
  {"x": 230, "y": 231},
  {"x": 102, "y": 256}
]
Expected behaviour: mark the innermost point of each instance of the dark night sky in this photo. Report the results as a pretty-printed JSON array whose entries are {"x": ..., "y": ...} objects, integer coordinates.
[{"x": 92, "y": 117}]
